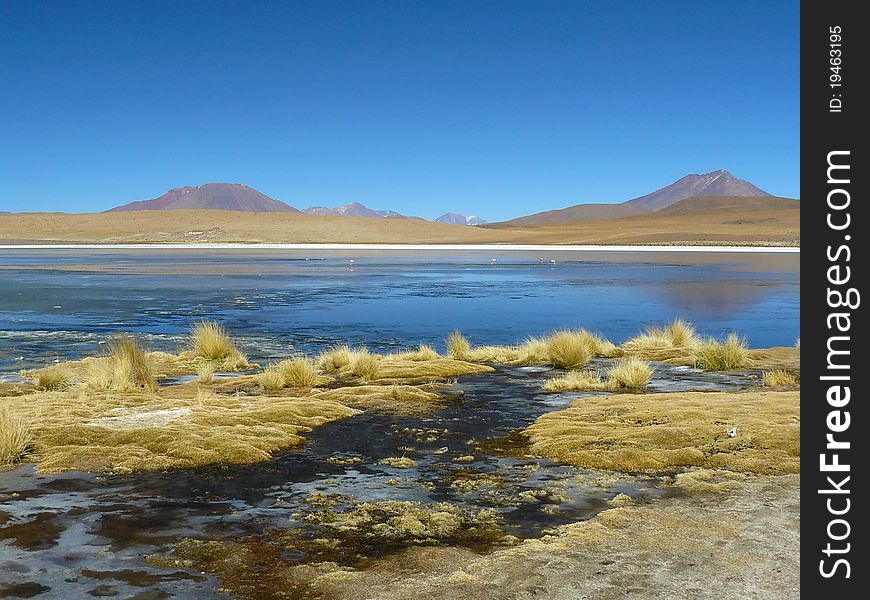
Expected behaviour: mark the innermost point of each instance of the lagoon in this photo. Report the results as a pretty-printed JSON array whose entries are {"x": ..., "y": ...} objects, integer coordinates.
[{"x": 64, "y": 303}]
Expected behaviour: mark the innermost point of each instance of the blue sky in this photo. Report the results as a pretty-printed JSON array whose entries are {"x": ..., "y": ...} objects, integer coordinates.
[{"x": 491, "y": 108}]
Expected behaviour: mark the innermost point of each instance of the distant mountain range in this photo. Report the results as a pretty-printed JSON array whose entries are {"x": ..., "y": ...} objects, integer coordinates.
[
  {"x": 719, "y": 183},
  {"x": 457, "y": 219},
  {"x": 354, "y": 209},
  {"x": 237, "y": 197}
]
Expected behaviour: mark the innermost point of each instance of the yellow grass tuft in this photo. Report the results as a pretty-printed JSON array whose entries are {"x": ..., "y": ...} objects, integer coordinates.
[
  {"x": 564, "y": 349},
  {"x": 335, "y": 359},
  {"x": 206, "y": 372},
  {"x": 423, "y": 353},
  {"x": 571, "y": 349},
  {"x": 779, "y": 377},
  {"x": 127, "y": 368},
  {"x": 15, "y": 436},
  {"x": 629, "y": 374},
  {"x": 299, "y": 372},
  {"x": 573, "y": 381},
  {"x": 364, "y": 365},
  {"x": 713, "y": 355},
  {"x": 533, "y": 351},
  {"x": 674, "y": 339},
  {"x": 271, "y": 379},
  {"x": 458, "y": 345},
  {"x": 608, "y": 349},
  {"x": 681, "y": 333},
  {"x": 212, "y": 342},
  {"x": 53, "y": 378}
]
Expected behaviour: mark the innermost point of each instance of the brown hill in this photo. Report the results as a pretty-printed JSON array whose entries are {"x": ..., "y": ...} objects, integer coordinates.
[
  {"x": 730, "y": 204},
  {"x": 578, "y": 212},
  {"x": 214, "y": 196},
  {"x": 698, "y": 221},
  {"x": 719, "y": 183}
]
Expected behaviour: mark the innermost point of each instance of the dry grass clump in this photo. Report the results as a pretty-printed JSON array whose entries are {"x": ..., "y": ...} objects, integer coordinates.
[
  {"x": 713, "y": 355},
  {"x": 271, "y": 379},
  {"x": 571, "y": 349},
  {"x": 670, "y": 431},
  {"x": 533, "y": 351},
  {"x": 564, "y": 349},
  {"x": 16, "y": 436},
  {"x": 335, "y": 359},
  {"x": 779, "y": 377},
  {"x": 364, "y": 365},
  {"x": 671, "y": 340},
  {"x": 574, "y": 381},
  {"x": 608, "y": 349},
  {"x": 206, "y": 372},
  {"x": 211, "y": 342},
  {"x": 501, "y": 355},
  {"x": 423, "y": 353},
  {"x": 629, "y": 374},
  {"x": 300, "y": 372},
  {"x": 127, "y": 368},
  {"x": 458, "y": 345},
  {"x": 53, "y": 378},
  {"x": 347, "y": 362},
  {"x": 681, "y": 333}
]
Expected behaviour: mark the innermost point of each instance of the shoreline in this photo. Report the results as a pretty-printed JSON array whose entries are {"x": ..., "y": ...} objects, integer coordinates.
[{"x": 430, "y": 247}]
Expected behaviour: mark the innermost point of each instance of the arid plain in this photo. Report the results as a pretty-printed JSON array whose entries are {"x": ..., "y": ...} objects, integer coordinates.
[{"x": 694, "y": 221}]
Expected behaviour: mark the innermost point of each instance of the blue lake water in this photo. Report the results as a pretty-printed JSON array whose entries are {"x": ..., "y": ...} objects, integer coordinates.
[{"x": 65, "y": 303}]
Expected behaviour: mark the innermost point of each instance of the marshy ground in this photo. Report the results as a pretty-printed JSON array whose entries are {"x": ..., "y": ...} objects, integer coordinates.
[{"x": 352, "y": 474}]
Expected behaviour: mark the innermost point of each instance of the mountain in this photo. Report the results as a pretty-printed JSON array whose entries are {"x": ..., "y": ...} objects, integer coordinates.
[
  {"x": 354, "y": 209},
  {"x": 705, "y": 205},
  {"x": 714, "y": 183},
  {"x": 457, "y": 219},
  {"x": 215, "y": 196},
  {"x": 580, "y": 212},
  {"x": 719, "y": 183}
]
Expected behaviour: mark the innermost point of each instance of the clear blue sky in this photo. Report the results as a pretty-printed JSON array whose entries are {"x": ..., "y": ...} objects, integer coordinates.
[{"x": 492, "y": 108}]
